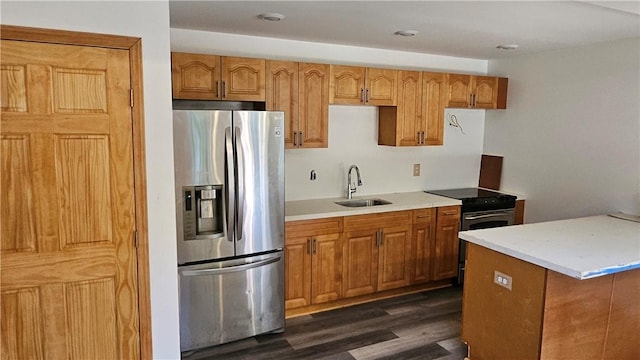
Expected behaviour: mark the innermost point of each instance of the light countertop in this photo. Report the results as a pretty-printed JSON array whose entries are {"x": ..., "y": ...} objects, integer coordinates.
[
  {"x": 323, "y": 208},
  {"x": 582, "y": 248}
]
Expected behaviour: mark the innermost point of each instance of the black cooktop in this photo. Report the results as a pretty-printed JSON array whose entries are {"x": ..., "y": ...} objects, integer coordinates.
[{"x": 476, "y": 199}]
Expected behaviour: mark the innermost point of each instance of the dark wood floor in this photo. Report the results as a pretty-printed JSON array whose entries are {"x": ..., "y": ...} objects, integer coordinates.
[{"x": 422, "y": 326}]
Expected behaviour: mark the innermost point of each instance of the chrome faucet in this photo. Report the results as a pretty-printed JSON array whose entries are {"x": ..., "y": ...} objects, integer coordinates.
[{"x": 352, "y": 188}]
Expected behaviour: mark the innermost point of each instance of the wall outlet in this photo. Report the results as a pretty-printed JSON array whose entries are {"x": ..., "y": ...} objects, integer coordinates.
[
  {"x": 503, "y": 280},
  {"x": 416, "y": 169}
]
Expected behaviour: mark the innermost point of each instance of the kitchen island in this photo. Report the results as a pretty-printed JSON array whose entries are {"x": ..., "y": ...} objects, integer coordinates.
[{"x": 567, "y": 289}]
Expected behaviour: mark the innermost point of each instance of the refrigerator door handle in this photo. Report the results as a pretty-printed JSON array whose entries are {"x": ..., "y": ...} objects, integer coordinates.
[
  {"x": 230, "y": 188},
  {"x": 241, "y": 181},
  {"x": 231, "y": 269}
]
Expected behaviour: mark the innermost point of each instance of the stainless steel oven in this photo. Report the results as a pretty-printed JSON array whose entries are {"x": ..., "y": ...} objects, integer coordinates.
[
  {"x": 481, "y": 209},
  {"x": 480, "y": 220}
]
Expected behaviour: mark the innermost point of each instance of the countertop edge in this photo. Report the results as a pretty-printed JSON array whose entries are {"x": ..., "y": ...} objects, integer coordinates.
[
  {"x": 328, "y": 209},
  {"x": 576, "y": 274}
]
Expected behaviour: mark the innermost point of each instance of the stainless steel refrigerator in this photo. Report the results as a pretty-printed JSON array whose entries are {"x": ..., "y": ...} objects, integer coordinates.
[{"x": 229, "y": 180}]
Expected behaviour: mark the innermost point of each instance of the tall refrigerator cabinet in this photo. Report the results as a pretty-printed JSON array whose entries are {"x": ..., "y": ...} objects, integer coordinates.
[{"x": 229, "y": 188}]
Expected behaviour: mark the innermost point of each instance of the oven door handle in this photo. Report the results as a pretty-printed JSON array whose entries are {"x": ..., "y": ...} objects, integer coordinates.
[{"x": 486, "y": 216}]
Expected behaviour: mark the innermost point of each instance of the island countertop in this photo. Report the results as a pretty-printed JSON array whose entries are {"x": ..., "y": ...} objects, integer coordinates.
[
  {"x": 582, "y": 248},
  {"x": 323, "y": 208}
]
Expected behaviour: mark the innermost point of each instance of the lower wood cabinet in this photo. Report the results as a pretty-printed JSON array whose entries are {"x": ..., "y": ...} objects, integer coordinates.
[
  {"x": 313, "y": 262},
  {"x": 445, "y": 263},
  {"x": 423, "y": 245},
  {"x": 377, "y": 252},
  {"x": 345, "y": 260}
]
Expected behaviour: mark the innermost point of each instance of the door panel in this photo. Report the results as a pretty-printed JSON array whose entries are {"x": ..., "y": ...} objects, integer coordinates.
[
  {"x": 68, "y": 255},
  {"x": 410, "y": 121},
  {"x": 360, "y": 262},
  {"x": 314, "y": 105},
  {"x": 395, "y": 258},
  {"x": 260, "y": 173},
  {"x": 326, "y": 271},
  {"x": 297, "y": 272}
]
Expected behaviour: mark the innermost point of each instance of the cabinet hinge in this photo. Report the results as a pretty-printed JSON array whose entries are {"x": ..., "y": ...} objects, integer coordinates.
[
  {"x": 131, "y": 97},
  {"x": 135, "y": 238}
]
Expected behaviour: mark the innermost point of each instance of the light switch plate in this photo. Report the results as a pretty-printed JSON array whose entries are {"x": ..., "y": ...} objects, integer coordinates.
[
  {"x": 416, "y": 169},
  {"x": 503, "y": 280}
]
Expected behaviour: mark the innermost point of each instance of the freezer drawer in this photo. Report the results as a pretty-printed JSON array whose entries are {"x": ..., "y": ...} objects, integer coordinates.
[{"x": 231, "y": 300}]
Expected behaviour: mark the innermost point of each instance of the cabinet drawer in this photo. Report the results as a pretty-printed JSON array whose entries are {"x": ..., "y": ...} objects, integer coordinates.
[
  {"x": 423, "y": 216},
  {"x": 313, "y": 227},
  {"x": 369, "y": 221},
  {"x": 449, "y": 213}
]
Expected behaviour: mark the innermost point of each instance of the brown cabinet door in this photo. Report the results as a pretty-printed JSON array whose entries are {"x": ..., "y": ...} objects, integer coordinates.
[
  {"x": 434, "y": 97},
  {"x": 346, "y": 86},
  {"x": 282, "y": 95},
  {"x": 458, "y": 91},
  {"x": 394, "y": 262},
  {"x": 68, "y": 258},
  {"x": 410, "y": 122},
  {"x": 485, "y": 92},
  {"x": 381, "y": 87},
  {"x": 360, "y": 267},
  {"x": 297, "y": 270},
  {"x": 314, "y": 105},
  {"x": 446, "y": 249},
  {"x": 195, "y": 76},
  {"x": 423, "y": 247},
  {"x": 243, "y": 79},
  {"x": 326, "y": 268}
]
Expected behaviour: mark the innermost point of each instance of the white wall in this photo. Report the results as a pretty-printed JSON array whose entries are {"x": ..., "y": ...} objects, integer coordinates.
[
  {"x": 571, "y": 135},
  {"x": 150, "y": 21},
  {"x": 353, "y": 129}
]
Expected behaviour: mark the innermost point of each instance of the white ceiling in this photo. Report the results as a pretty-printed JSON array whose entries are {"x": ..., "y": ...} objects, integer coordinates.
[{"x": 470, "y": 29}]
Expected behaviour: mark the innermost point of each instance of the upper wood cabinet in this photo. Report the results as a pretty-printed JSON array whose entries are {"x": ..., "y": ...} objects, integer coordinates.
[
  {"x": 480, "y": 92},
  {"x": 354, "y": 85},
  {"x": 313, "y": 262},
  {"x": 301, "y": 90},
  {"x": 419, "y": 117},
  {"x": 212, "y": 77}
]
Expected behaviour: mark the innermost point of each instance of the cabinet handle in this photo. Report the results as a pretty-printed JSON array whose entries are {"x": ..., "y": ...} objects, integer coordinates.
[
  {"x": 224, "y": 89},
  {"x": 367, "y": 96},
  {"x": 362, "y": 95},
  {"x": 419, "y": 137},
  {"x": 381, "y": 237},
  {"x": 474, "y": 100},
  {"x": 308, "y": 246},
  {"x": 450, "y": 212},
  {"x": 424, "y": 139},
  {"x": 301, "y": 142},
  {"x": 470, "y": 100},
  {"x": 378, "y": 237},
  {"x": 295, "y": 139},
  {"x": 217, "y": 88},
  {"x": 423, "y": 216},
  {"x": 315, "y": 245}
]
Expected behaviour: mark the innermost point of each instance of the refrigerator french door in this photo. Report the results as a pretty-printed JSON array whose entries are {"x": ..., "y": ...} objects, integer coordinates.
[{"x": 229, "y": 178}]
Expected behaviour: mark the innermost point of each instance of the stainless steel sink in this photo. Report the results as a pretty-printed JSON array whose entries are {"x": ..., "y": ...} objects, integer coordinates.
[{"x": 363, "y": 202}]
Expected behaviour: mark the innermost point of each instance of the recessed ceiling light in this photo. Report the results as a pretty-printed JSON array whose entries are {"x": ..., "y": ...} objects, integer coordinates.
[
  {"x": 271, "y": 17},
  {"x": 507, "y": 47},
  {"x": 406, "y": 32}
]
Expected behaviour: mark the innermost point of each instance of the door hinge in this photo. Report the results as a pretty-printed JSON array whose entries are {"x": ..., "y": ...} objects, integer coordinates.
[
  {"x": 131, "y": 97},
  {"x": 135, "y": 238}
]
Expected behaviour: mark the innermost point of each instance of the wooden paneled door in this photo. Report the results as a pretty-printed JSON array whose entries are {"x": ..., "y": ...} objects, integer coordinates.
[{"x": 69, "y": 286}]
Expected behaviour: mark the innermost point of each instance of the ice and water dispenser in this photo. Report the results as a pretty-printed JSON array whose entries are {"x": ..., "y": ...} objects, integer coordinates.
[{"x": 202, "y": 211}]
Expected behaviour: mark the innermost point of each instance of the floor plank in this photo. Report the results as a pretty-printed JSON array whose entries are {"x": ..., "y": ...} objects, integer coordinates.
[{"x": 424, "y": 326}]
